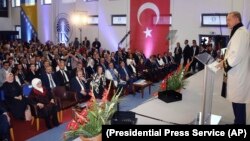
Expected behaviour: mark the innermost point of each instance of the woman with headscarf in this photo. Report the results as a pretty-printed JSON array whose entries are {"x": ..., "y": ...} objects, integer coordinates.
[
  {"x": 14, "y": 99},
  {"x": 43, "y": 99}
]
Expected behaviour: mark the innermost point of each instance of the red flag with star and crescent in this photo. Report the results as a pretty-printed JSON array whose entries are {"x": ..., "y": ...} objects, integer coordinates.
[{"x": 149, "y": 26}]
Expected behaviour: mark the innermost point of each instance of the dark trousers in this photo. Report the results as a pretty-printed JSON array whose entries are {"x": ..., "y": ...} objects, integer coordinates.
[
  {"x": 4, "y": 128},
  {"x": 49, "y": 113},
  {"x": 239, "y": 113}
]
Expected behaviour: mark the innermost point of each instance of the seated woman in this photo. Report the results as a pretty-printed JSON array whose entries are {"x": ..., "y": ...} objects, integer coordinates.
[
  {"x": 98, "y": 83},
  {"x": 41, "y": 97},
  {"x": 16, "y": 103},
  {"x": 78, "y": 84}
]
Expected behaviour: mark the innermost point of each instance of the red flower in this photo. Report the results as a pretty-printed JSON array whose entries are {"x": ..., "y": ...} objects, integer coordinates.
[
  {"x": 105, "y": 96},
  {"x": 84, "y": 112},
  {"x": 163, "y": 84},
  {"x": 73, "y": 125},
  {"x": 187, "y": 66},
  {"x": 179, "y": 68}
]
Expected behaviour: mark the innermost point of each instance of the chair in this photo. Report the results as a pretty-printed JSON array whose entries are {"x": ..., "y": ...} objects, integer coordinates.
[
  {"x": 35, "y": 116},
  {"x": 64, "y": 99},
  {"x": 12, "y": 133}
]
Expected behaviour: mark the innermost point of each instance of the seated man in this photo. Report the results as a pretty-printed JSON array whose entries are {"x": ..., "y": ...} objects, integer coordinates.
[
  {"x": 4, "y": 125},
  {"x": 112, "y": 74},
  {"x": 126, "y": 75},
  {"x": 78, "y": 84}
]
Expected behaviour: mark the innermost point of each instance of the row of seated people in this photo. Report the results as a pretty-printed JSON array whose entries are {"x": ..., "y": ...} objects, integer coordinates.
[
  {"x": 27, "y": 68},
  {"x": 39, "y": 96}
]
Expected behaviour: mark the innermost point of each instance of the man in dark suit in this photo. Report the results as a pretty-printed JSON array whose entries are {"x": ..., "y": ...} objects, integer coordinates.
[
  {"x": 86, "y": 42},
  {"x": 62, "y": 75},
  {"x": 178, "y": 53},
  {"x": 78, "y": 84},
  {"x": 49, "y": 78},
  {"x": 186, "y": 53},
  {"x": 194, "y": 51},
  {"x": 96, "y": 45},
  {"x": 124, "y": 72}
]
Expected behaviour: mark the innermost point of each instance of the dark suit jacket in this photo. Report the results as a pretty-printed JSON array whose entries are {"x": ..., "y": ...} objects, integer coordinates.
[
  {"x": 75, "y": 86},
  {"x": 187, "y": 52},
  {"x": 96, "y": 44},
  {"x": 179, "y": 55},
  {"x": 123, "y": 74},
  {"x": 45, "y": 80},
  {"x": 90, "y": 71},
  {"x": 30, "y": 76},
  {"x": 86, "y": 43},
  {"x": 60, "y": 77},
  {"x": 196, "y": 51}
]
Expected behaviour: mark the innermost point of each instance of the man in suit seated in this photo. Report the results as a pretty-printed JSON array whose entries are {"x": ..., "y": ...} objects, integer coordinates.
[
  {"x": 4, "y": 125},
  {"x": 112, "y": 74},
  {"x": 126, "y": 75},
  {"x": 49, "y": 78},
  {"x": 78, "y": 84},
  {"x": 62, "y": 75}
]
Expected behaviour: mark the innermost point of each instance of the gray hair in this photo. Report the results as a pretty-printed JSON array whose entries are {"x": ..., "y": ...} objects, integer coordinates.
[{"x": 236, "y": 14}]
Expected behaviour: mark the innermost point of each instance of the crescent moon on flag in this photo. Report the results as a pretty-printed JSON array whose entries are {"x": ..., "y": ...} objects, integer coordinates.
[{"x": 148, "y": 5}]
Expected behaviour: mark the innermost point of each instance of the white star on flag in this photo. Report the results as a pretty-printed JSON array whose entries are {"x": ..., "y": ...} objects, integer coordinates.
[{"x": 148, "y": 33}]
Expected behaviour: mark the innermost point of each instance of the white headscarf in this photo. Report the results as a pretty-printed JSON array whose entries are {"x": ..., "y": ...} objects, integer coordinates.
[{"x": 34, "y": 83}]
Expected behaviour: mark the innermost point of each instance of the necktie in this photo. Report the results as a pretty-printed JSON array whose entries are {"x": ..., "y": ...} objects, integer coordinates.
[
  {"x": 51, "y": 81},
  {"x": 125, "y": 72},
  {"x": 22, "y": 78},
  {"x": 81, "y": 83},
  {"x": 64, "y": 77},
  {"x": 113, "y": 74}
]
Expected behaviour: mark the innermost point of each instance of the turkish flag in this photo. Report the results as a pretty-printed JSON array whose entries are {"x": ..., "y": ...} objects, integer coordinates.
[{"x": 149, "y": 26}]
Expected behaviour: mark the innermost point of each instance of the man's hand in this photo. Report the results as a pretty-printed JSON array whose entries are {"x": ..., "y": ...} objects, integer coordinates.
[
  {"x": 18, "y": 97},
  {"x": 83, "y": 92},
  {"x": 40, "y": 105},
  {"x": 52, "y": 101},
  {"x": 220, "y": 65}
]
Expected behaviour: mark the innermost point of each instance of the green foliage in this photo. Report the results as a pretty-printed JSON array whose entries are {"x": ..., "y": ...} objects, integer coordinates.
[
  {"x": 176, "y": 81},
  {"x": 90, "y": 123}
]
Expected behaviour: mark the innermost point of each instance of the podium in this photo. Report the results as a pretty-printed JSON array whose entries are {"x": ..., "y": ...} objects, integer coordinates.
[{"x": 206, "y": 117}]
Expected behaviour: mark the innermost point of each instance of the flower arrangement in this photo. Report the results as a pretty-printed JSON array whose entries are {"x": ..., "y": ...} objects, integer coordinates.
[
  {"x": 89, "y": 121},
  {"x": 175, "y": 80}
]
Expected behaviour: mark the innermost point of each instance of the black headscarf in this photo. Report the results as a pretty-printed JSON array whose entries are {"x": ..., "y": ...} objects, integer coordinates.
[{"x": 237, "y": 26}]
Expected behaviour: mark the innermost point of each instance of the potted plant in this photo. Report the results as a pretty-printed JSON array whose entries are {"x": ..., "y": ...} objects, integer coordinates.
[
  {"x": 172, "y": 84},
  {"x": 175, "y": 80},
  {"x": 88, "y": 123}
]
